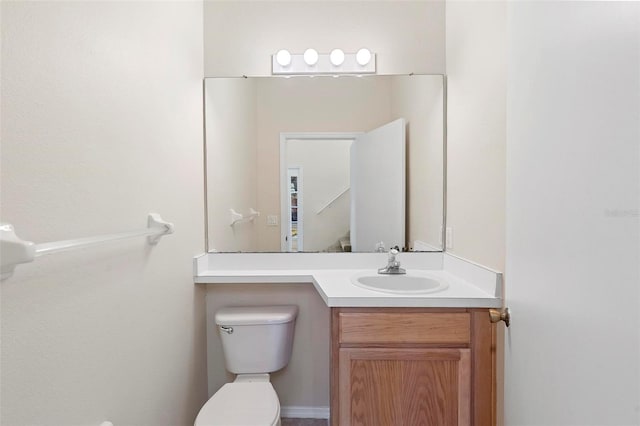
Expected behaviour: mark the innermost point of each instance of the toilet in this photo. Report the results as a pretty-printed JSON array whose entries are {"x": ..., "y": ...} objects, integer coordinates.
[{"x": 256, "y": 341}]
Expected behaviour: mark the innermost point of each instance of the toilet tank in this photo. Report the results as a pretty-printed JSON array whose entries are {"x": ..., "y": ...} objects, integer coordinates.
[{"x": 256, "y": 339}]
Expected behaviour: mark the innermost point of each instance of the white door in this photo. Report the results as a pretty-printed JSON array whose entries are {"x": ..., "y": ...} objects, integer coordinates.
[
  {"x": 573, "y": 208},
  {"x": 378, "y": 187}
]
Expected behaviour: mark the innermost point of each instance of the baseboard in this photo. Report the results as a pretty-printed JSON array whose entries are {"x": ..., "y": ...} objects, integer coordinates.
[{"x": 305, "y": 412}]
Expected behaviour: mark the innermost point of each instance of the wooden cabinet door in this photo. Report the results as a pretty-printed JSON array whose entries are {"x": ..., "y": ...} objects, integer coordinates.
[{"x": 404, "y": 387}]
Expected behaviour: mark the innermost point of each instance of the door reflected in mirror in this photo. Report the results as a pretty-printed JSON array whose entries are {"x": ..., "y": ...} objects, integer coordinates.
[{"x": 332, "y": 164}]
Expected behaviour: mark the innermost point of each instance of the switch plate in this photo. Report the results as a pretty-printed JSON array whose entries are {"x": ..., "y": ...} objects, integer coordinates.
[
  {"x": 449, "y": 237},
  {"x": 272, "y": 220}
]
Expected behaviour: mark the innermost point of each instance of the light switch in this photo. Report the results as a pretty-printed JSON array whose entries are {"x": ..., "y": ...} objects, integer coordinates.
[{"x": 272, "y": 220}]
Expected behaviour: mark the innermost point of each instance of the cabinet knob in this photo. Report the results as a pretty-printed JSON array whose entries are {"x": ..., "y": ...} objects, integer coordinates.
[{"x": 498, "y": 315}]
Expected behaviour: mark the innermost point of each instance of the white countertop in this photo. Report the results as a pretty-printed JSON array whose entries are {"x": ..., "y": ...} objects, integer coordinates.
[{"x": 470, "y": 285}]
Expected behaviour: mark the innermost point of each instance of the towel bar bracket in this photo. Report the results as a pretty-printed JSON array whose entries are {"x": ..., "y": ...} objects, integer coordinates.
[
  {"x": 154, "y": 221},
  {"x": 240, "y": 218}
]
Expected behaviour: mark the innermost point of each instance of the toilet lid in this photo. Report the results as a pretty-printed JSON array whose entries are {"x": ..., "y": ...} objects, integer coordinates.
[{"x": 241, "y": 404}]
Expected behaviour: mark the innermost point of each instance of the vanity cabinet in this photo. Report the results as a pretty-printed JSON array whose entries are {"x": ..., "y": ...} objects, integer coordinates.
[{"x": 412, "y": 366}]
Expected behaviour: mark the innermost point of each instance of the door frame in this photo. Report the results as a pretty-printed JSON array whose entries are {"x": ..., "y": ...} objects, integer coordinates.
[{"x": 284, "y": 192}]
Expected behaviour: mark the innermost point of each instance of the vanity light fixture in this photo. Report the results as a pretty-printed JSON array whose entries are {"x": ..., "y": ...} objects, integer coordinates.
[
  {"x": 313, "y": 63},
  {"x": 283, "y": 57},
  {"x": 336, "y": 57},
  {"x": 363, "y": 57},
  {"x": 311, "y": 57}
]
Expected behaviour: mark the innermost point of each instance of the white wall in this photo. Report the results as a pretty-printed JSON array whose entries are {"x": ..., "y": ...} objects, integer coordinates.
[
  {"x": 101, "y": 124},
  {"x": 231, "y": 161},
  {"x": 573, "y": 222},
  {"x": 241, "y": 36},
  {"x": 476, "y": 109}
]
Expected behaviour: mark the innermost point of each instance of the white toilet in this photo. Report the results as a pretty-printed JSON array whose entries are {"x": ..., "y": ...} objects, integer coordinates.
[{"x": 256, "y": 341}]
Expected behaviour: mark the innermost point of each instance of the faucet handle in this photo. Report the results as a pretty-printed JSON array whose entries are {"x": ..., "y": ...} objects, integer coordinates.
[
  {"x": 392, "y": 254},
  {"x": 393, "y": 266}
]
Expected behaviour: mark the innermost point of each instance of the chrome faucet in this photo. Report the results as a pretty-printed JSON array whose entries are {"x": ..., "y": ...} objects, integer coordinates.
[{"x": 393, "y": 266}]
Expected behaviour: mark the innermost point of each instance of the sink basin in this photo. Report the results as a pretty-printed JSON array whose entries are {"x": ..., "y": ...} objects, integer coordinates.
[{"x": 409, "y": 283}]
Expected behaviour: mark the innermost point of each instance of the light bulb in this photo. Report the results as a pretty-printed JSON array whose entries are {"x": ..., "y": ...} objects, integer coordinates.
[
  {"x": 311, "y": 57},
  {"x": 337, "y": 57},
  {"x": 283, "y": 58},
  {"x": 363, "y": 56}
]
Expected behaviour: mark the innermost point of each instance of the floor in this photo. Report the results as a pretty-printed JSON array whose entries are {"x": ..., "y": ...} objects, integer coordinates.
[{"x": 305, "y": 422}]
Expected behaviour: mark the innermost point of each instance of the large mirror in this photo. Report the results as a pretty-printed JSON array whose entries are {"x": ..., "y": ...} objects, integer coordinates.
[{"x": 325, "y": 164}]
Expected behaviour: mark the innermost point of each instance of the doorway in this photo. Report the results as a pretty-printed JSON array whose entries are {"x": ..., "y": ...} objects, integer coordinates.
[{"x": 314, "y": 205}]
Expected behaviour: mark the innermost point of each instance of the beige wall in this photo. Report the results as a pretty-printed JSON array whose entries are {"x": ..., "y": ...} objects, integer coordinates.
[
  {"x": 231, "y": 161},
  {"x": 102, "y": 124},
  {"x": 476, "y": 162},
  {"x": 241, "y": 36},
  {"x": 419, "y": 100}
]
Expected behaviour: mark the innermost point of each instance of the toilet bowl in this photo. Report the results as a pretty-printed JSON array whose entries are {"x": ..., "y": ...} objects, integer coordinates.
[
  {"x": 242, "y": 403},
  {"x": 250, "y": 400}
]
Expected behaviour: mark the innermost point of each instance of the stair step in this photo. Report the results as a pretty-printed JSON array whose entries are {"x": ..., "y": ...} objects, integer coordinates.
[{"x": 345, "y": 244}]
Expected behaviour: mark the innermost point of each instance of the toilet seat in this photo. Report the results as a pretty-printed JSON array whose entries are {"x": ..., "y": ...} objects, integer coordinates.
[{"x": 241, "y": 404}]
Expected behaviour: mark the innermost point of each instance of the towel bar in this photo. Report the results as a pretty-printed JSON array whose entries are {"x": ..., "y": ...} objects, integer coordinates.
[{"x": 15, "y": 251}]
